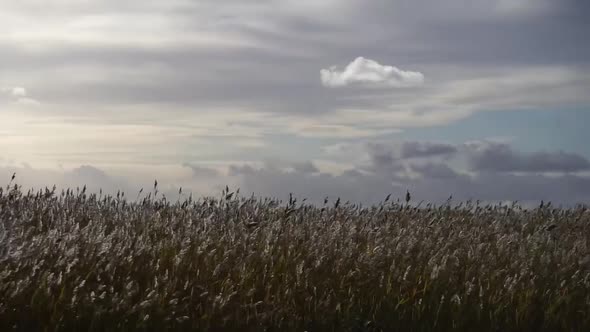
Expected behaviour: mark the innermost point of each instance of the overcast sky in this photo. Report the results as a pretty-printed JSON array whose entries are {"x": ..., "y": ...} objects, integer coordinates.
[{"x": 482, "y": 99}]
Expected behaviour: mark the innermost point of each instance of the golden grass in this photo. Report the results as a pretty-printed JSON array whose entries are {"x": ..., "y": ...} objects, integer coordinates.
[{"x": 74, "y": 261}]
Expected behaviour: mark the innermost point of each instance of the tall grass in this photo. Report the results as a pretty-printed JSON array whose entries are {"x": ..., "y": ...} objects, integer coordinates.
[{"x": 76, "y": 261}]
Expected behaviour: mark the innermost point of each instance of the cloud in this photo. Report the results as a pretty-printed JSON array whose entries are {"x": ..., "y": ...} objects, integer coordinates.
[
  {"x": 18, "y": 92},
  {"x": 367, "y": 72},
  {"x": 426, "y": 149},
  {"x": 435, "y": 184},
  {"x": 15, "y": 92},
  {"x": 199, "y": 171},
  {"x": 275, "y": 165},
  {"x": 268, "y": 63},
  {"x": 366, "y": 181},
  {"x": 436, "y": 181},
  {"x": 19, "y": 95},
  {"x": 398, "y": 157},
  {"x": 382, "y": 159},
  {"x": 500, "y": 157},
  {"x": 235, "y": 170},
  {"x": 435, "y": 171},
  {"x": 94, "y": 178},
  {"x": 216, "y": 81},
  {"x": 111, "y": 180},
  {"x": 305, "y": 167}
]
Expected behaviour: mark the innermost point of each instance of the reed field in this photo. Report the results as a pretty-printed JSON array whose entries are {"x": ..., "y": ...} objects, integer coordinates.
[{"x": 71, "y": 260}]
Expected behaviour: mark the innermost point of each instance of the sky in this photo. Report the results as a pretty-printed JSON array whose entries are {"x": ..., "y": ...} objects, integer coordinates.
[{"x": 479, "y": 99}]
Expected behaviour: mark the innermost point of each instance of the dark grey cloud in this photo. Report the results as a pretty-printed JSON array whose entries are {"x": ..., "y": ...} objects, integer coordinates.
[
  {"x": 86, "y": 173},
  {"x": 426, "y": 149},
  {"x": 436, "y": 185},
  {"x": 435, "y": 182},
  {"x": 435, "y": 171},
  {"x": 383, "y": 159},
  {"x": 392, "y": 158},
  {"x": 269, "y": 182},
  {"x": 200, "y": 171},
  {"x": 300, "y": 167},
  {"x": 237, "y": 170},
  {"x": 305, "y": 167},
  {"x": 498, "y": 157}
]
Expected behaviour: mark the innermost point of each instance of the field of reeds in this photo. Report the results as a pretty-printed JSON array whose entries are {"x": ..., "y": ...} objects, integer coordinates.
[{"x": 70, "y": 260}]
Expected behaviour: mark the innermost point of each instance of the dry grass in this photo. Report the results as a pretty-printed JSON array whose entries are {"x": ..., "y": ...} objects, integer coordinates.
[{"x": 73, "y": 261}]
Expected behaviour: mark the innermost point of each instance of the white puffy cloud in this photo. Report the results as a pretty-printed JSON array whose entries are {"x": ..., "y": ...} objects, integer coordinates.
[
  {"x": 18, "y": 92},
  {"x": 15, "y": 92},
  {"x": 369, "y": 72},
  {"x": 18, "y": 95}
]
